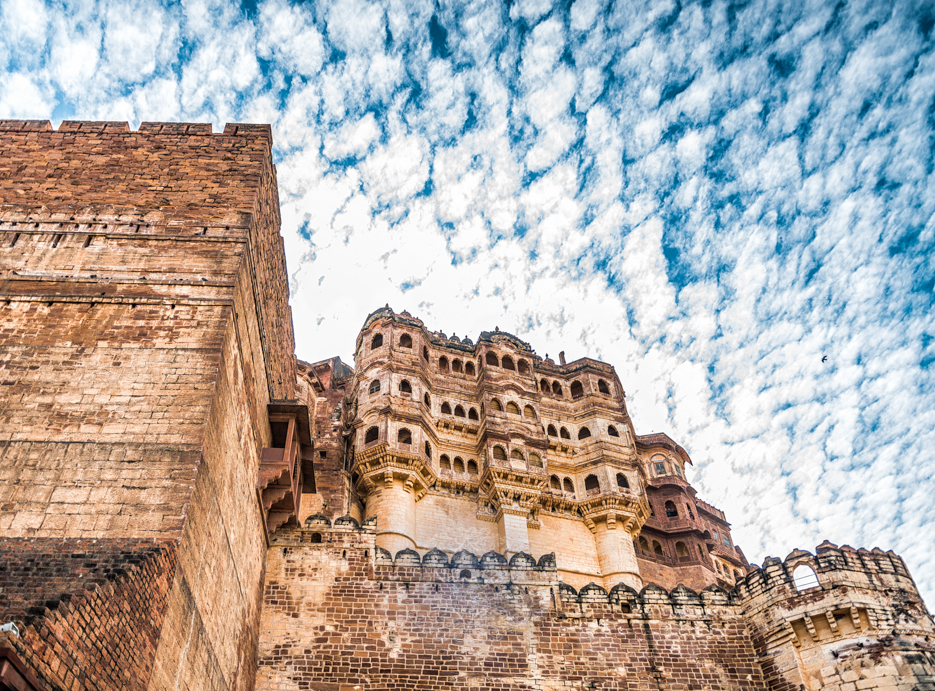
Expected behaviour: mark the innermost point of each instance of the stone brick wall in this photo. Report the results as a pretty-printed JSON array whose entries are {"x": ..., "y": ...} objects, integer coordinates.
[
  {"x": 145, "y": 328},
  {"x": 859, "y": 623},
  {"x": 90, "y": 611},
  {"x": 341, "y": 614}
]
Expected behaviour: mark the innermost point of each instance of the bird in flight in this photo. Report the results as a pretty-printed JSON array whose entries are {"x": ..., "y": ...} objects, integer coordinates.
[{"x": 824, "y": 358}]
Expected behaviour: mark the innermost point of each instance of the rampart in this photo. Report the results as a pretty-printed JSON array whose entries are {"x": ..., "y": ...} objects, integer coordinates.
[
  {"x": 842, "y": 618},
  {"x": 339, "y": 614},
  {"x": 145, "y": 331}
]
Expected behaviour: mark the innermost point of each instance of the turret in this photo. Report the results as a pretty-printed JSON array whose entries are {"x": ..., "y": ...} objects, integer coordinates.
[{"x": 837, "y": 617}]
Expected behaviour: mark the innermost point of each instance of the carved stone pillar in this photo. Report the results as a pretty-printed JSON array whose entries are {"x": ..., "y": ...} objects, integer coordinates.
[
  {"x": 394, "y": 505},
  {"x": 616, "y": 554}
]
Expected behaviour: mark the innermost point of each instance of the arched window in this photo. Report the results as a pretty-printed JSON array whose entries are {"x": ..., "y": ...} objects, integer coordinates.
[
  {"x": 544, "y": 386},
  {"x": 556, "y": 389},
  {"x": 529, "y": 412},
  {"x": 523, "y": 367},
  {"x": 701, "y": 551},
  {"x": 535, "y": 460},
  {"x": 717, "y": 565},
  {"x": 459, "y": 411},
  {"x": 376, "y": 342},
  {"x": 551, "y": 431},
  {"x": 517, "y": 455},
  {"x": 657, "y": 549},
  {"x": 428, "y": 450},
  {"x": 405, "y": 341},
  {"x": 405, "y": 386},
  {"x": 612, "y": 431},
  {"x": 564, "y": 434},
  {"x": 456, "y": 366},
  {"x": 602, "y": 387},
  {"x": 567, "y": 486},
  {"x": 671, "y": 510},
  {"x": 316, "y": 538},
  {"x": 681, "y": 550},
  {"x": 472, "y": 467},
  {"x": 372, "y": 434},
  {"x": 469, "y": 369},
  {"x": 492, "y": 360},
  {"x": 495, "y": 405},
  {"x": 446, "y": 408},
  {"x": 459, "y": 464},
  {"x": 472, "y": 414},
  {"x": 375, "y": 386},
  {"x": 591, "y": 483},
  {"x": 737, "y": 575},
  {"x": 507, "y": 363},
  {"x": 659, "y": 467},
  {"x": 584, "y": 433},
  {"x": 425, "y": 352},
  {"x": 443, "y": 363},
  {"x": 444, "y": 462},
  {"x": 644, "y": 545},
  {"x": 427, "y": 399},
  {"x": 404, "y": 436},
  {"x": 677, "y": 469},
  {"x": 622, "y": 481},
  {"x": 804, "y": 577},
  {"x": 577, "y": 391},
  {"x": 499, "y": 454},
  {"x": 512, "y": 408},
  {"x": 554, "y": 483}
]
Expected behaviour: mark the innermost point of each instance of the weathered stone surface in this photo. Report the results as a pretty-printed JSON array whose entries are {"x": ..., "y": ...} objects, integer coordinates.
[{"x": 136, "y": 362}]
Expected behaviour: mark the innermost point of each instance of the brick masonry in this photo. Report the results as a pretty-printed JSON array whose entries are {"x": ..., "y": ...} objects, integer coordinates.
[
  {"x": 144, "y": 327},
  {"x": 340, "y": 615}
]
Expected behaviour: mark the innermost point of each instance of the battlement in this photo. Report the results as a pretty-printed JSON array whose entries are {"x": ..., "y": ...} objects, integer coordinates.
[
  {"x": 833, "y": 568},
  {"x": 838, "y": 609},
  {"x": 232, "y": 129}
]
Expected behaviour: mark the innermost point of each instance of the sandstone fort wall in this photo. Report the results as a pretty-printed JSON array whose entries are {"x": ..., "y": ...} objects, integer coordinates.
[
  {"x": 340, "y": 615},
  {"x": 145, "y": 329}
]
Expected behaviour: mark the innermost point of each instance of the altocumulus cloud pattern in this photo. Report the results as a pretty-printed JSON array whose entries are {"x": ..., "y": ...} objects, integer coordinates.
[{"x": 731, "y": 202}]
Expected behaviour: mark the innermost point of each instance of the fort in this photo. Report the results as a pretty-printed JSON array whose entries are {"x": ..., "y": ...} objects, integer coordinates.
[{"x": 185, "y": 505}]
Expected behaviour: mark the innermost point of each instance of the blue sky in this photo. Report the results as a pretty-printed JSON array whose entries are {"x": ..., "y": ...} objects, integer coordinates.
[{"x": 712, "y": 197}]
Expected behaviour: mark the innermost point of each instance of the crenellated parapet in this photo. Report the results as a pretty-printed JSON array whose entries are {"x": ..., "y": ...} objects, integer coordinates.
[
  {"x": 835, "y": 578},
  {"x": 815, "y": 617}
]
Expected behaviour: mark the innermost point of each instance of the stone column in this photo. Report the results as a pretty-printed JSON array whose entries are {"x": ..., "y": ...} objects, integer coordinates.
[
  {"x": 394, "y": 505},
  {"x": 616, "y": 554},
  {"x": 514, "y": 533}
]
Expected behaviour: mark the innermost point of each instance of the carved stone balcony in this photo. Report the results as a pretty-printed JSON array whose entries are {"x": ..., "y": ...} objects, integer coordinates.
[{"x": 279, "y": 480}]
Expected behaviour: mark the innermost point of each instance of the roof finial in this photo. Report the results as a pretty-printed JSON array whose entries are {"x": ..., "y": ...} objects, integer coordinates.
[{"x": 496, "y": 328}]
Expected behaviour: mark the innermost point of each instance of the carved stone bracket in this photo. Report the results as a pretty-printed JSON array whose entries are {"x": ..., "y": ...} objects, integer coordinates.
[{"x": 380, "y": 465}]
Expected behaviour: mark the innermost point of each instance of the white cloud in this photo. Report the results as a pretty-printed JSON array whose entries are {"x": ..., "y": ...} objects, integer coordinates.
[{"x": 711, "y": 205}]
